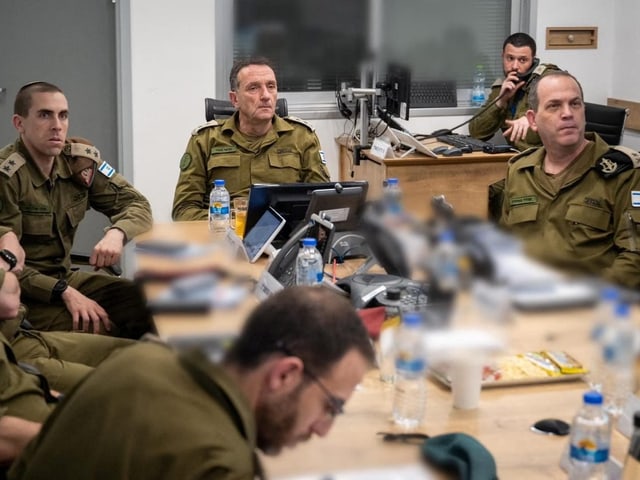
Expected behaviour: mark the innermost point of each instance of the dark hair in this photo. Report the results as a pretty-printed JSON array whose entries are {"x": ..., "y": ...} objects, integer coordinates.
[
  {"x": 240, "y": 64},
  {"x": 312, "y": 323},
  {"x": 534, "y": 101},
  {"x": 520, "y": 40},
  {"x": 22, "y": 103}
]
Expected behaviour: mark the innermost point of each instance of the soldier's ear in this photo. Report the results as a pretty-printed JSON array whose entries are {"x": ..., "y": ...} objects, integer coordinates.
[
  {"x": 17, "y": 123},
  {"x": 531, "y": 116},
  {"x": 233, "y": 97}
]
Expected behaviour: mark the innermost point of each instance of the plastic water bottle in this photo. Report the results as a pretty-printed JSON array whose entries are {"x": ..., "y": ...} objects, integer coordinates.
[
  {"x": 392, "y": 196},
  {"x": 478, "y": 91},
  {"x": 444, "y": 263},
  {"x": 603, "y": 319},
  {"x": 631, "y": 470},
  {"x": 219, "y": 203},
  {"x": 619, "y": 358},
  {"x": 590, "y": 439},
  {"x": 410, "y": 393},
  {"x": 309, "y": 264}
]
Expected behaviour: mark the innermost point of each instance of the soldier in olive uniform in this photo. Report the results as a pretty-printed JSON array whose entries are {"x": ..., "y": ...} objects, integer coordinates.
[
  {"x": 25, "y": 400},
  {"x": 508, "y": 101},
  {"x": 64, "y": 358},
  {"x": 47, "y": 183},
  {"x": 575, "y": 202},
  {"x": 297, "y": 361},
  {"x": 253, "y": 146}
]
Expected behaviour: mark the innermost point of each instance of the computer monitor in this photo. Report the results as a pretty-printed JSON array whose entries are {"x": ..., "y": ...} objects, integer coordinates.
[
  {"x": 291, "y": 200},
  {"x": 398, "y": 91}
]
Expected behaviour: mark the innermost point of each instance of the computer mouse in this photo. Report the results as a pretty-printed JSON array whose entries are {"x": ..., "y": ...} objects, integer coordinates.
[
  {"x": 452, "y": 152},
  {"x": 440, "y": 149},
  {"x": 551, "y": 426}
]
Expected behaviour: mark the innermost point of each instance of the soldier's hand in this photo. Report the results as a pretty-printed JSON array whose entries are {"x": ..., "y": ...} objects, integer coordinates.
[
  {"x": 509, "y": 88},
  {"x": 108, "y": 251},
  {"x": 517, "y": 129},
  {"x": 10, "y": 242},
  {"x": 87, "y": 315}
]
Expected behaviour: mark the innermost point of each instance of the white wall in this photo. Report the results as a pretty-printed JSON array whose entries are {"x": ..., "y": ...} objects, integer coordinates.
[
  {"x": 173, "y": 67},
  {"x": 625, "y": 61}
]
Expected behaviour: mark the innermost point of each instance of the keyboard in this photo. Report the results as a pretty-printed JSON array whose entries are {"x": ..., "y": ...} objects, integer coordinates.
[
  {"x": 462, "y": 141},
  {"x": 434, "y": 94}
]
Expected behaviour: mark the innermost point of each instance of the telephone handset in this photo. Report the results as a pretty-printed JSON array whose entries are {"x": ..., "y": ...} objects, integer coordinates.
[
  {"x": 524, "y": 76},
  {"x": 282, "y": 268}
]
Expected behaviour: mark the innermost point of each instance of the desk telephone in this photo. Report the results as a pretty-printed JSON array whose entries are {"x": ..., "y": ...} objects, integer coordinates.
[{"x": 283, "y": 266}]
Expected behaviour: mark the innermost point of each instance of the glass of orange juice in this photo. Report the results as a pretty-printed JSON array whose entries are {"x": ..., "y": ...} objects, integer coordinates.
[{"x": 239, "y": 214}]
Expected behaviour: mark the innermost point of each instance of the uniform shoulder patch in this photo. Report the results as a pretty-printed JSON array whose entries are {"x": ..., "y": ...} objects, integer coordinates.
[
  {"x": 209, "y": 124},
  {"x": 12, "y": 164},
  {"x": 290, "y": 118},
  {"x": 617, "y": 160}
]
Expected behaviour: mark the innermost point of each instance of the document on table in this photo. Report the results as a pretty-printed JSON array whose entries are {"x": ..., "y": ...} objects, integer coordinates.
[{"x": 400, "y": 472}]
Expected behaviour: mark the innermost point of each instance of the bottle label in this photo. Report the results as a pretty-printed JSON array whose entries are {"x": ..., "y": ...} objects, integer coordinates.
[
  {"x": 586, "y": 450},
  {"x": 219, "y": 208},
  {"x": 409, "y": 364}
]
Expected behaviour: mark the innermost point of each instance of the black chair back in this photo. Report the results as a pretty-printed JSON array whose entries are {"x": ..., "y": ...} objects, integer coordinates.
[
  {"x": 217, "y": 109},
  {"x": 606, "y": 121}
]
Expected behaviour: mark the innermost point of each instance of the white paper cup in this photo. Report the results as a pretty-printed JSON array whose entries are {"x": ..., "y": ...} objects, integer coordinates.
[{"x": 466, "y": 383}]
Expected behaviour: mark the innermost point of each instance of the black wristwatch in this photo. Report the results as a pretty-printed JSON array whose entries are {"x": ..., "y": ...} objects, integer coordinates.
[
  {"x": 58, "y": 289},
  {"x": 9, "y": 257}
]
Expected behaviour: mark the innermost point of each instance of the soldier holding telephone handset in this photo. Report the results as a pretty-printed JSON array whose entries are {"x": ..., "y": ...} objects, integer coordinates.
[{"x": 509, "y": 99}]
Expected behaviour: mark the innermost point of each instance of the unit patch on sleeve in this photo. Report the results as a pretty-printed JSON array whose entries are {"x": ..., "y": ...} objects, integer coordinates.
[{"x": 635, "y": 198}]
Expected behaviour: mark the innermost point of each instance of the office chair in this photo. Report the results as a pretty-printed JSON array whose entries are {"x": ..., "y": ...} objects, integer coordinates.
[
  {"x": 215, "y": 109},
  {"x": 606, "y": 121}
]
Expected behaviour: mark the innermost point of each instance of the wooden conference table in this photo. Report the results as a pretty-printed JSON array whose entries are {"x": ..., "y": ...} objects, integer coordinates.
[
  {"x": 501, "y": 422},
  {"x": 463, "y": 180}
]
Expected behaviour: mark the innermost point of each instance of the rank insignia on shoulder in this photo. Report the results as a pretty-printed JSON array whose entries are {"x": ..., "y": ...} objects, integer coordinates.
[
  {"x": 211, "y": 123},
  {"x": 12, "y": 164},
  {"x": 293, "y": 119},
  {"x": 617, "y": 160},
  {"x": 107, "y": 170}
]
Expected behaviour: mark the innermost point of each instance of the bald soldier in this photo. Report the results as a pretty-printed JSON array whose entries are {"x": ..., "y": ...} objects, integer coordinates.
[
  {"x": 575, "y": 201},
  {"x": 47, "y": 183},
  {"x": 253, "y": 146}
]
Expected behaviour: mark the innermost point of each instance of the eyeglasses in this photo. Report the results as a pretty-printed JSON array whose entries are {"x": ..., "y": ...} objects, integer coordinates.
[{"x": 335, "y": 404}]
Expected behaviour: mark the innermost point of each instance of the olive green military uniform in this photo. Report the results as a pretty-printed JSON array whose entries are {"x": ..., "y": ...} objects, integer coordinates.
[
  {"x": 580, "y": 219},
  {"x": 64, "y": 358},
  {"x": 169, "y": 417},
  {"x": 21, "y": 394},
  {"x": 45, "y": 212},
  {"x": 289, "y": 152},
  {"x": 487, "y": 123}
]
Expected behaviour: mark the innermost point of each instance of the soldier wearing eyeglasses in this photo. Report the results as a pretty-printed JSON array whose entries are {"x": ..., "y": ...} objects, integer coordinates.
[{"x": 285, "y": 378}]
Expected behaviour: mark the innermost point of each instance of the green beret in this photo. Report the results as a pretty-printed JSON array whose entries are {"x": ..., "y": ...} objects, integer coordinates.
[{"x": 460, "y": 454}]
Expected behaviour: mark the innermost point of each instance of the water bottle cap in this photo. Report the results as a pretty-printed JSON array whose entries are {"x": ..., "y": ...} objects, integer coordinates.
[
  {"x": 392, "y": 181},
  {"x": 412, "y": 319},
  {"x": 480, "y": 66},
  {"x": 309, "y": 242},
  {"x": 622, "y": 310},
  {"x": 447, "y": 236},
  {"x": 592, "y": 398},
  {"x": 218, "y": 182},
  {"x": 609, "y": 293}
]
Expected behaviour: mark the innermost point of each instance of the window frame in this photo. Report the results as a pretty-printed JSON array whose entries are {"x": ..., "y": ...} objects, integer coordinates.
[{"x": 319, "y": 105}]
